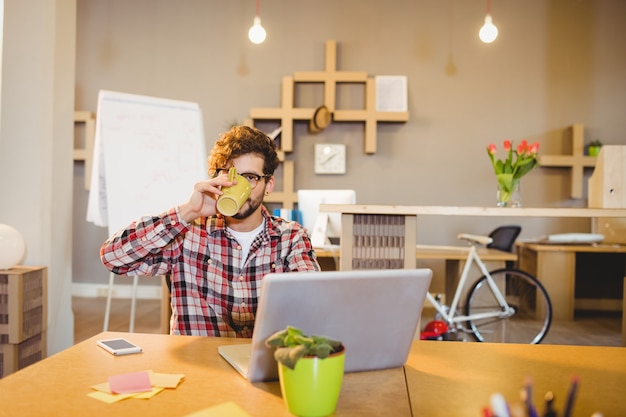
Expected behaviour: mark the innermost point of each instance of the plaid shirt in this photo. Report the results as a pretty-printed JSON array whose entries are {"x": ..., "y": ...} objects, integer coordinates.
[{"x": 211, "y": 294}]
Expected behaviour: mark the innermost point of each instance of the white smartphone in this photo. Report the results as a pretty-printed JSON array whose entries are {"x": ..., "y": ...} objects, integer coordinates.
[{"x": 118, "y": 346}]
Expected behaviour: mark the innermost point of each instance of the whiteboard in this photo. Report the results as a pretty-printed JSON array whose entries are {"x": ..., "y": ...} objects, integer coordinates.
[{"x": 148, "y": 154}]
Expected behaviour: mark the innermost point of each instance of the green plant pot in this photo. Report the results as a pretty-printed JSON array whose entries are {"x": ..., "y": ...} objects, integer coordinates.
[
  {"x": 312, "y": 388},
  {"x": 594, "y": 150}
]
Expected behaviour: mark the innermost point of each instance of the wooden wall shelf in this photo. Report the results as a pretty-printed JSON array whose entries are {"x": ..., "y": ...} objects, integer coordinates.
[
  {"x": 287, "y": 114},
  {"x": 85, "y": 152},
  {"x": 576, "y": 162}
]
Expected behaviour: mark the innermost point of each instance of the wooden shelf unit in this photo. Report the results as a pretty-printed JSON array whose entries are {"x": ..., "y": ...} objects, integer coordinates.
[
  {"x": 576, "y": 162},
  {"x": 85, "y": 153},
  {"x": 287, "y": 114}
]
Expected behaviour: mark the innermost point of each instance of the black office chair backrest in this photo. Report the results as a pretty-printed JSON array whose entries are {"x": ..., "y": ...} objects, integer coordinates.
[
  {"x": 504, "y": 237},
  {"x": 168, "y": 281}
]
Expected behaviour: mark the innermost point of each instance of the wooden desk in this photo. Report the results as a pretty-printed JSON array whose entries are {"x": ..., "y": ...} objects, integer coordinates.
[
  {"x": 454, "y": 253},
  {"x": 398, "y": 224},
  {"x": 439, "y": 379},
  {"x": 456, "y": 379},
  {"x": 555, "y": 267},
  {"x": 453, "y": 256},
  {"x": 59, "y": 384}
]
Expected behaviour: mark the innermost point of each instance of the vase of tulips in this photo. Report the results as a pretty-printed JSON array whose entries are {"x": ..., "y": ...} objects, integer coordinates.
[{"x": 509, "y": 171}]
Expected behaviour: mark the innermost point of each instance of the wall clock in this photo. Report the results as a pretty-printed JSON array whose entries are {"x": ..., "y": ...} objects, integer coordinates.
[{"x": 330, "y": 158}]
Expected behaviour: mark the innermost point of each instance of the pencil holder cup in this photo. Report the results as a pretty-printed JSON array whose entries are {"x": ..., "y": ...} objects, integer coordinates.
[{"x": 235, "y": 196}]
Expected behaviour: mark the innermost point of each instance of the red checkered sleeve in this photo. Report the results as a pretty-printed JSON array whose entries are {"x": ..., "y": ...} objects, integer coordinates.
[{"x": 144, "y": 247}]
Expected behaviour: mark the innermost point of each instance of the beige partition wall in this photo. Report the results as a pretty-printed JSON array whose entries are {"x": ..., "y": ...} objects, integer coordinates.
[{"x": 378, "y": 241}]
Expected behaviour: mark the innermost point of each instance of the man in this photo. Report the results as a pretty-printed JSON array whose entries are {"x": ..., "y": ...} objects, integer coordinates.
[{"x": 216, "y": 263}]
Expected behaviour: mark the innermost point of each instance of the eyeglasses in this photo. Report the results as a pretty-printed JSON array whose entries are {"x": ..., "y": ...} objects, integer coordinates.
[{"x": 252, "y": 178}]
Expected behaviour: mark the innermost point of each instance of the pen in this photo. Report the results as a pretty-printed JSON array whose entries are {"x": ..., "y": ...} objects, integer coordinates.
[
  {"x": 571, "y": 396},
  {"x": 528, "y": 399},
  {"x": 549, "y": 404}
]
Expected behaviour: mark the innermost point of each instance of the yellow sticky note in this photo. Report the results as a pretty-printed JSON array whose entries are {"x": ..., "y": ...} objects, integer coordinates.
[
  {"x": 165, "y": 380},
  {"x": 229, "y": 409},
  {"x": 104, "y": 387},
  {"x": 149, "y": 394},
  {"x": 108, "y": 398}
]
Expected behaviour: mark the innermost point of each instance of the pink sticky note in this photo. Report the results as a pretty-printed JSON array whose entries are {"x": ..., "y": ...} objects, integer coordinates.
[{"x": 127, "y": 383}]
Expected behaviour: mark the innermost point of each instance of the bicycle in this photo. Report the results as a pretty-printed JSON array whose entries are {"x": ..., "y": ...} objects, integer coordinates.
[{"x": 506, "y": 305}]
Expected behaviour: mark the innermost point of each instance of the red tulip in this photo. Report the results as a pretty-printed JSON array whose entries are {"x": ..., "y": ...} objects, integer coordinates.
[
  {"x": 517, "y": 163},
  {"x": 522, "y": 147}
]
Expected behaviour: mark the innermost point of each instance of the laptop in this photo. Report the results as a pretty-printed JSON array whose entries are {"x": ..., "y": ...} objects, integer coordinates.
[{"x": 375, "y": 313}]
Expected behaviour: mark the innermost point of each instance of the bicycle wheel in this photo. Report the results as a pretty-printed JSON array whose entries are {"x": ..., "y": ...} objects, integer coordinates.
[{"x": 528, "y": 298}]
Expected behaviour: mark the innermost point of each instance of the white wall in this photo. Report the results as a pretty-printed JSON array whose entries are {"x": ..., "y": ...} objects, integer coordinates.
[{"x": 36, "y": 144}]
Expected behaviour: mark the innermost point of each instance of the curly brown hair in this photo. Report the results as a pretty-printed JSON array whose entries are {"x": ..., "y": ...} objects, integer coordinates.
[{"x": 241, "y": 140}]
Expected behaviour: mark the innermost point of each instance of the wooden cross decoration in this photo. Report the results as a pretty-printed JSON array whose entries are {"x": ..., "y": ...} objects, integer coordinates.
[
  {"x": 577, "y": 161},
  {"x": 330, "y": 76},
  {"x": 370, "y": 116},
  {"x": 287, "y": 114}
]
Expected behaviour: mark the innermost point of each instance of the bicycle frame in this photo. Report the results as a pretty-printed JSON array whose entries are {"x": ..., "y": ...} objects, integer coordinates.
[{"x": 450, "y": 316}]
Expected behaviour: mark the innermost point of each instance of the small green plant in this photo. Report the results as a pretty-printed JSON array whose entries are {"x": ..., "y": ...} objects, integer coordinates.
[
  {"x": 594, "y": 147},
  {"x": 291, "y": 345}
]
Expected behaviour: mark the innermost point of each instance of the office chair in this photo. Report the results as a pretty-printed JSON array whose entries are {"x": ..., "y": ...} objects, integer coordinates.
[{"x": 504, "y": 239}]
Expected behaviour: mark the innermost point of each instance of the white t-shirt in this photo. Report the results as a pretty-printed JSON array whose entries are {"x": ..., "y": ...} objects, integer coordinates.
[{"x": 245, "y": 240}]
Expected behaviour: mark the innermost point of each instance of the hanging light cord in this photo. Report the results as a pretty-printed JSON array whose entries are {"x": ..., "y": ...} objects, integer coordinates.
[
  {"x": 257, "y": 33},
  {"x": 488, "y": 32}
]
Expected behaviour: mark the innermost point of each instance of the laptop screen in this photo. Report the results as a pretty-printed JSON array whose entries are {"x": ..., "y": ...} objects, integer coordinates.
[{"x": 375, "y": 313}]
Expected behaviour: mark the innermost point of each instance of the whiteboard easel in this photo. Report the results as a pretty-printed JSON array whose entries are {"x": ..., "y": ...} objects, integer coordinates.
[{"x": 148, "y": 154}]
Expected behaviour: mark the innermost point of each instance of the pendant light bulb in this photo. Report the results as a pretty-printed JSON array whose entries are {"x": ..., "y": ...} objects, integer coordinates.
[
  {"x": 489, "y": 32},
  {"x": 257, "y": 33}
]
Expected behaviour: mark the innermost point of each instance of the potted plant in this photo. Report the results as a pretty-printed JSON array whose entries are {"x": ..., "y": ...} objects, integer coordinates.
[
  {"x": 310, "y": 370},
  {"x": 594, "y": 147},
  {"x": 509, "y": 171}
]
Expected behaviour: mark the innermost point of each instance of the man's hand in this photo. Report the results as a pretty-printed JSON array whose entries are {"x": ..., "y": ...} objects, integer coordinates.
[{"x": 201, "y": 203}]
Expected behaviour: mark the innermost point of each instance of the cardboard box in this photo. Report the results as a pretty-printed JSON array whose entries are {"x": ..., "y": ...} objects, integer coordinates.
[
  {"x": 14, "y": 357},
  {"x": 23, "y": 303}
]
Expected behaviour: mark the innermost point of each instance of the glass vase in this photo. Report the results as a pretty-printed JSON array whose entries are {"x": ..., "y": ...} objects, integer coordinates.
[{"x": 511, "y": 197}]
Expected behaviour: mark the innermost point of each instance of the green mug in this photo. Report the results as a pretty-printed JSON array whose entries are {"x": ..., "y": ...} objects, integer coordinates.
[{"x": 230, "y": 202}]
